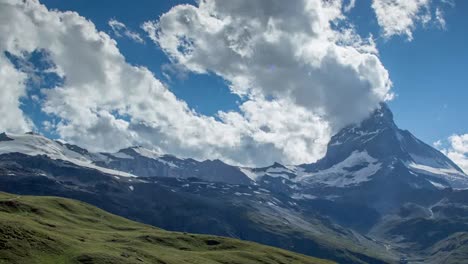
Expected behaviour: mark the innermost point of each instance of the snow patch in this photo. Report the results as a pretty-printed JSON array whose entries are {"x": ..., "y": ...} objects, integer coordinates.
[
  {"x": 240, "y": 194},
  {"x": 340, "y": 175},
  {"x": 431, "y": 162},
  {"x": 169, "y": 163},
  {"x": 122, "y": 155},
  {"x": 34, "y": 145},
  {"x": 302, "y": 196},
  {"x": 249, "y": 173},
  {"x": 151, "y": 154},
  {"x": 455, "y": 178},
  {"x": 279, "y": 172},
  {"x": 438, "y": 185},
  {"x": 434, "y": 170},
  {"x": 274, "y": 172}
]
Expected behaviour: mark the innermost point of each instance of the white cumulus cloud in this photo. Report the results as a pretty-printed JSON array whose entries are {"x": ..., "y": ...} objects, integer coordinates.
[
  {"x": 301, "y": 79},
  {"x": 13, "y": 89},
  {"x": 351, "y": 4},
  {"x": 401, "y": 17},
  {"x": 439, "y": 16},
  {"x": 120, "y": 29},
  {"x": 104, "y": 103},
  {"x": 457, "y": 150},
  {"x": 279, "y": 49}
]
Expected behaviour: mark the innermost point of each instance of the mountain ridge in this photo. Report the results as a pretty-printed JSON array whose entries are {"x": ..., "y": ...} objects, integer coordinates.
[{"x": 376, "y": 138}]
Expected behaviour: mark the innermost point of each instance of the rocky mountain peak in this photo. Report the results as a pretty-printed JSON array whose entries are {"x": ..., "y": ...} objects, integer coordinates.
[
  {"x": 378, "y": 142},
  {"x": 4, "y": 137}
]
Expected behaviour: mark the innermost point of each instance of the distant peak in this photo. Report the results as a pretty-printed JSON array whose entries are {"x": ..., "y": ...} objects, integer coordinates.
[
  {"x": 382, "y": 113},
  {"x": 384, "y": 110},
  {"x": 131, "y": 148},
  {"x": 136, "y": 147},
  {"x": 215, "y": 161},
  {"x": 141, "y": 151},
  {"x": 277, "y": 165},
  {"x": 380, "y": 118},
  {"x": 4, "y": 137}
]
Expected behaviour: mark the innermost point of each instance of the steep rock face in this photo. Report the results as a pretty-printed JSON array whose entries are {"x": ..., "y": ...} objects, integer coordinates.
[
  {"x": 130, "y": 162},
  {"x": 4, "y": 137},
  {"x": 374, "y": 167},
  {"x": 32, "y": 145},
  {"x": 376, "y": 147},
  {"x": 146, "y": 163},
  {"x": 373, "y": 156}
]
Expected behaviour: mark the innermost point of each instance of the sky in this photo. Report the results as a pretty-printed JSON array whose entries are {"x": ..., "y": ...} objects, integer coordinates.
[{"x": 249, "y": 82}]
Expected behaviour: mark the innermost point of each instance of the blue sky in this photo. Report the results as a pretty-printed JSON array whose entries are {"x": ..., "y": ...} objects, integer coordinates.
[
  {"x": 205, "y": 93},
  {"x": 198, "y": 113},
  {"x": 429, "y": 73},
  {"x": 429, "y": 76}
]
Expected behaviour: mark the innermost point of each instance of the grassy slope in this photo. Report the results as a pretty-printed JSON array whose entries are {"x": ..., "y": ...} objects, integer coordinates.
[
  {"x": 56, "y": 230},
  {"x": 451, "y": 250}
]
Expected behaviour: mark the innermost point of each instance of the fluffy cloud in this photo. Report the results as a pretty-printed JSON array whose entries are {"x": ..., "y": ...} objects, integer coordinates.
[
  {"x": 301, "y": 78},
  {"x": 104, "y": 103},
  {"x": 351, "y": 4},
  {"x": 457, "y": 150},
  {"x": 120, "y": 29},
  {"x": 278, "y": 49},
  {"x": 439, "y": 16},
  {"x": 12, "y": 88},
  {"x": 400, "y": 17},
  {"x": 280, "y": 124}
]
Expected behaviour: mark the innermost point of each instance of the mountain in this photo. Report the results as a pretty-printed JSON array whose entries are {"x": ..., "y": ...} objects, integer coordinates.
[
  {"x": 247, "y": 212},
  {"x": 361, "y": 153},
  {"x": 129, "y": 162},
  {"x": 377, "y": 143},
  {"x": 147, "y": 163},
  {"x": 370, "y": 199},
  {"x": 373, "y": 163},
  {"x": 33, "y": 145},
  {"x": 56, "y": 230},
  {"x": 244, "y": 211}
]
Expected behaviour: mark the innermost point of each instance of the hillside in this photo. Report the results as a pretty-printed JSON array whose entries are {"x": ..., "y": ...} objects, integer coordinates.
[{"x": 56, "y": 230}]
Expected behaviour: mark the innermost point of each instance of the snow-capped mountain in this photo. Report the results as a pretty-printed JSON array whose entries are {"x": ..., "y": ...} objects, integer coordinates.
[
  {"x": 361, "y": 152},
  {"x": 36, "y": 145},
  {"x": 369, "y": 150},
  {"x": 33, "y": 165},
  {"x": 356, "y": 155},
  {"x": 129, "y": 162},
  {"x": 148, "y": 163}
]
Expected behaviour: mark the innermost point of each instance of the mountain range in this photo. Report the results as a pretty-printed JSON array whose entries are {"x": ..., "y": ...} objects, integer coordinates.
[{"x": 377, "y": 196}]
